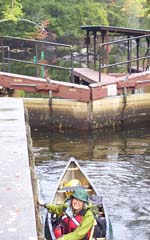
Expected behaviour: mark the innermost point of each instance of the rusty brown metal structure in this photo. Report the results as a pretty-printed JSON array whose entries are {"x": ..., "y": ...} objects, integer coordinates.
[
  {"x": 93, "y": 91},
  {"x": 99, "y": 34}
]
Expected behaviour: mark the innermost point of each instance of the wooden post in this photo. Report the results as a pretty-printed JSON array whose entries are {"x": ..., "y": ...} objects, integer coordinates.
[{"x": 90, "y": 115}]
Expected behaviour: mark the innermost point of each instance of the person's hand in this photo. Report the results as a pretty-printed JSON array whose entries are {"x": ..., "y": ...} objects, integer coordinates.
[{"x": 41, "y": 202}]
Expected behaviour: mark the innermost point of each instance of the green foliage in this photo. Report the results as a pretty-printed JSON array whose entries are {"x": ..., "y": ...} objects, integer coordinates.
[
  {"x": 23, "y": 69},
  {"x": 34, "y": 11},
  {"x": 17, "y": 29},
  {"x": 61, "y": 74},
  {"x": 126, "y": 13},
  {"x": 13, "y": 12},
  {"x": 148, "y": 8},
  {"x": 66, "y": 17}
]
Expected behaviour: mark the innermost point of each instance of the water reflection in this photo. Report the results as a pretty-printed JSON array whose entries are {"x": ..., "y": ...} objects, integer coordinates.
[{"x": 117, "y": 163}]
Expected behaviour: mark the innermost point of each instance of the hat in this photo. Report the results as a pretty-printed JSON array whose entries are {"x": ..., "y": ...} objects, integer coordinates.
[
  {"x": 71, "y": 186},
  {"x": 73, "y": 183},
  {"x": 80, "y": 194}
]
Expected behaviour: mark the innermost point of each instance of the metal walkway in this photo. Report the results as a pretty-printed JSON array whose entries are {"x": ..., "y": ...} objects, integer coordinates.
[
  {"x": 91, "y": 76},
  {"x": 17, "y": 216}
]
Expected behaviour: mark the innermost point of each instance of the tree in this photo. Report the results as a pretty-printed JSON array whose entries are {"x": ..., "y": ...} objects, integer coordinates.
[
  {"x": 13, "y": 11},
  {"x": 148, "y": 7},
  {"x": 126, "y": 13},
  {"x": 66, "y": 18},
  {"x": 13, "y": 22}
]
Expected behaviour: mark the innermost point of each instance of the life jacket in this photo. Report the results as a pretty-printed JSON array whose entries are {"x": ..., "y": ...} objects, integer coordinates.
[{"x": 68, "y": 225}]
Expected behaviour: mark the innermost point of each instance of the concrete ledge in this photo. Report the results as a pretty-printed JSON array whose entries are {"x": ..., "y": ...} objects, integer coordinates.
[{"x": 17, "y": 218}]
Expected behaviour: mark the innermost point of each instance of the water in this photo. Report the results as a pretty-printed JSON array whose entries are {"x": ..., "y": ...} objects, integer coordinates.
[{"x": 117, "y": 163}]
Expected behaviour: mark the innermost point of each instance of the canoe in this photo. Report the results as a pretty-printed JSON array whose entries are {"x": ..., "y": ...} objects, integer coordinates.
[{"x": 102, "y": 225}]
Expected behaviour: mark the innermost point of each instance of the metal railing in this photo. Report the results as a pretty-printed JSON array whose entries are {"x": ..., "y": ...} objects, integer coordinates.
[
  {"x": 35, "y": 58},
  {"x": 40, "y": 62},
  {"x": 101, "y": 46}
]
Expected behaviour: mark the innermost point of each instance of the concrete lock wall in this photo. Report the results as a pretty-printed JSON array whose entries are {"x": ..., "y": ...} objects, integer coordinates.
[
  {"x": 115, "y": 111},
  {"x": 107, "y": 112},
  {"x": 62, "y": 114}
]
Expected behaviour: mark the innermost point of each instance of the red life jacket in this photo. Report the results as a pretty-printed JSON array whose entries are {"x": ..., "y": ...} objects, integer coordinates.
[{"x": 68, "y": 225}]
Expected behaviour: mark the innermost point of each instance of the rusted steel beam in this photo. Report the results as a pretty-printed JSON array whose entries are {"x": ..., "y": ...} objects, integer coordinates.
[
  {"x": 59, "y": 89},
  {"x": 135, "y": 81},
  {"x": 128, "y": 84},
  {"x": 136, "y": 77},
  {"x": 142, "y": 84},
  {"x": 74, "y": 91},
  {"x": 133, "y": 84},
  {"x": 35, "y": 87},
  {"x": 31, "y": 85},
  {"x": 82, "y": 93},
  {"x": 98, "y": 92}
]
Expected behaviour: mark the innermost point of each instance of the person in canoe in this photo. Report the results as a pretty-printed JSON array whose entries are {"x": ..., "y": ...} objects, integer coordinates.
[{"x": 76, "y": 219}]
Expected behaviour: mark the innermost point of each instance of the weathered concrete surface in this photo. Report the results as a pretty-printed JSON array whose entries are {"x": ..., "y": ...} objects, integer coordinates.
[
  {"x": 137, "y": 110},
  {"x": 17, "y": 214},
  {"x": 64, "y": 113},
  {"x": 111, "y": 112}
]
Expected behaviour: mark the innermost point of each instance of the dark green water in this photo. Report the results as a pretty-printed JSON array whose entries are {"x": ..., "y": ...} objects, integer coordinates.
[{"x": 117, "y": 163}]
